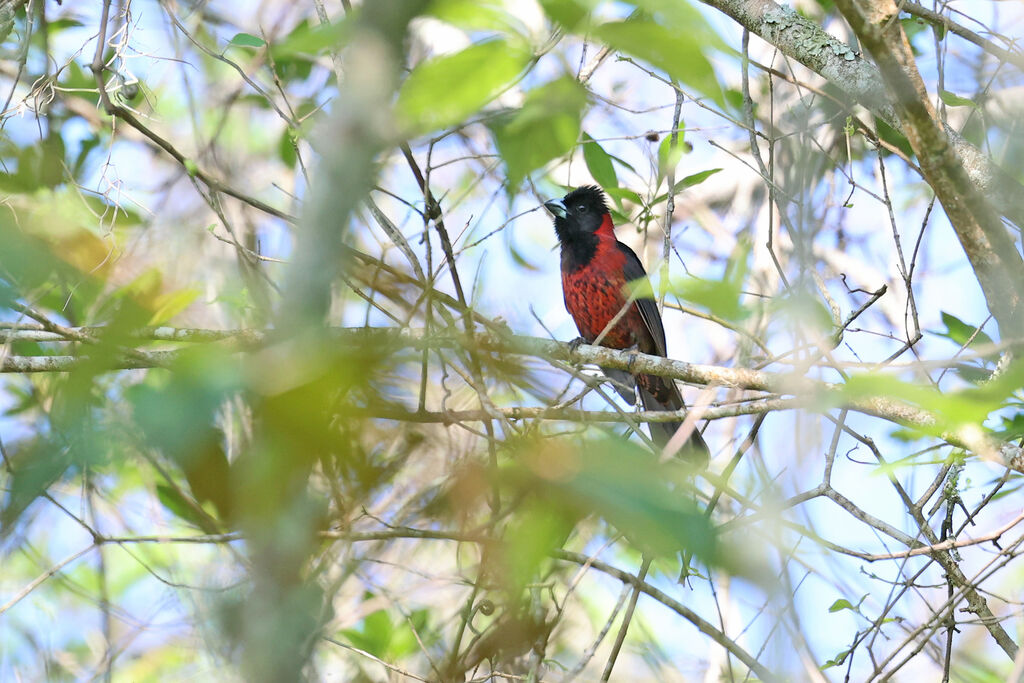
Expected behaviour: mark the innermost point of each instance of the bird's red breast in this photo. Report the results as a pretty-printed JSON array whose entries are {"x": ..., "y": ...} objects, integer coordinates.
[{"x": 595, "y": 292}]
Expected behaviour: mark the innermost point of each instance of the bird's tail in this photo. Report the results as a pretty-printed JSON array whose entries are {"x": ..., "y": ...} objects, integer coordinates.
[{"x": 660, "y": 393}]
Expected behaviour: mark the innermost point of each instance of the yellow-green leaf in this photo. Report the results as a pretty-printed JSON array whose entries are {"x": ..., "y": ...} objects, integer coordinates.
[{"x": 599, "y": 163}]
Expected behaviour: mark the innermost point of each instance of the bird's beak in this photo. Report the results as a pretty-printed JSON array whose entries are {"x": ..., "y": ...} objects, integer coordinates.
[{"x": 556, "y": 207}]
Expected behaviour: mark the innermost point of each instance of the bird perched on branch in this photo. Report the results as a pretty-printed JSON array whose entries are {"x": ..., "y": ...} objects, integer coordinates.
[{"x": 596, "y": 269}]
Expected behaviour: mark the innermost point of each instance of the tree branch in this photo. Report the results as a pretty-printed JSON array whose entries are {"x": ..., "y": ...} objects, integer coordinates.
[
  {"x": 810, "y": 393},
  {"x": 993, "y": 256},
  {"x": 843, "y": 67}
]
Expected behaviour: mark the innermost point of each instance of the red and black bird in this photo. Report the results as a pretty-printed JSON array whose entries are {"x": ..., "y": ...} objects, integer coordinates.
[{"x": 596, "y": 268}]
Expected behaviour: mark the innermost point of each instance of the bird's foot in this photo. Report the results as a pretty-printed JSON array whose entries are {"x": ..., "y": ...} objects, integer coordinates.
[
  {"x": 632, "y": 351},
  {"x": 577, "y": 343}
]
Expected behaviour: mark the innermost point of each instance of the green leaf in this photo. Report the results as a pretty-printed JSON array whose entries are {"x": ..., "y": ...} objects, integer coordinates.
[
  {"x": 893, "y": 137},
  {"x": 540, "y": 525},
  {"x": 286, "y": 148},
  {"x": 569, "y": 13},
  {"x": 179, "y": 506},
  {"x": 521, "y": 260},
  {"x": 913, "y": 27},
  {"x": 191, "y": 168},
  {"x": 803, "y": 309},
  {"x": 678, "y": 53},
  {"x": 391, "y": 640},
  {"x": 687, "y": 182},
  {"x": 474, "y": 15},
  {"x": 74, "y": 77},
  {"x": 61, "y": 24},
  {"x": 972, "y": 373},
  {"x": 836, "y": 661},
  {"x": 952, "y": 100},
  {"x": 626, "y": 485},
  {"x": 683, "y": 17},
  {"x": 373, "y": 635},
  {"x": 952, "y": 409},
  {"x": 51, "y": 166},
  {"x": 36, "y": 466},
  {"x": 721, "y": 297},
  {"x": 621, "y": 193},
  {"x": 307, "y": 39},
  {"x": 669, "y": 155},
  {"x": 166, "y": 306},
  {"x": 599, "y": 163},
  {"x": 444, "y": 91},
  {"x": 695, "y": 179},
  {"x": 547, "y": 127},
  {"x": 247, "y": 40},
  {"x": 959, "y": 332},
  {"x": 840, "y": 604},
  {"x": 175, "y": 413}
]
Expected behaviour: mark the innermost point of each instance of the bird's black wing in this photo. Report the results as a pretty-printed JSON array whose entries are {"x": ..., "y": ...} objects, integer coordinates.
[{"x": 634, "y": 270}]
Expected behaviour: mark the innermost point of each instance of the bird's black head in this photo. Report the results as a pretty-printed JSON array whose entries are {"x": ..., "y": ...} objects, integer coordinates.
[{"x": 579, "y": 213}]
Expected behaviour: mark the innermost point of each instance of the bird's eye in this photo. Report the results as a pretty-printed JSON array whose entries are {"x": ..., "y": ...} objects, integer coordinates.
[{"x": 582, "y": 208}]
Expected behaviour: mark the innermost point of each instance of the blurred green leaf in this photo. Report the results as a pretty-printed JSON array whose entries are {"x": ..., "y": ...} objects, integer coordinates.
[
  {"x": 678, "y": 53},
  {"x": 381, "y": 637},
  {"x": 51, "y": 164},
  {"x": 286, "y": 148},
  {"x": 721, "y": 297},
  {"x": 669, "y": 156},
  {"x": 63, "y": 23},
  {"x": 734, "y": 98},
  {"x": 913, "y": 27},
  {"x": 180, "y": 507},
  {"x": 685, "y": 18},
  {"x": 1012, "y": 426},
  {"x": 167, "y": 306},
  {"x": 247, "y": 40},
  {"x": 621, "y": 193},
  {"x": 687, "y": 182},
  {"x": 695, "y": 179},
  {"x": 309, "y": 39},
  {"x": 953, "y": 100},
  {"x": 599, "y": 163},
  {"x": 569, "y": 13},
  {"x": 477, "y": 15},
  {"x": 175, "y": 408},
  {"x": 443, "y": 91},
  {"x": 49, "y": 245},
  {"x": 960, "y": 332},
  {"x": 804, "y": 310},
  {"x": 521, "y": 260},
  {"x": 951, "y": 409},
  {"x": 144, "y": 299},
  {"x": 35, "y": 465},
  {"x": 547, "y": 126},
  {"x": 74, "y": 77},
  {"x": 893, "y": 137},
  {"x": 972, "y": 373},
  {"x": 624, "y": 484}
]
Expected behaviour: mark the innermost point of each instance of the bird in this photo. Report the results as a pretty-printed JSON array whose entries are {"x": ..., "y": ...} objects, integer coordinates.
[{"x": 596, "y": 268}]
